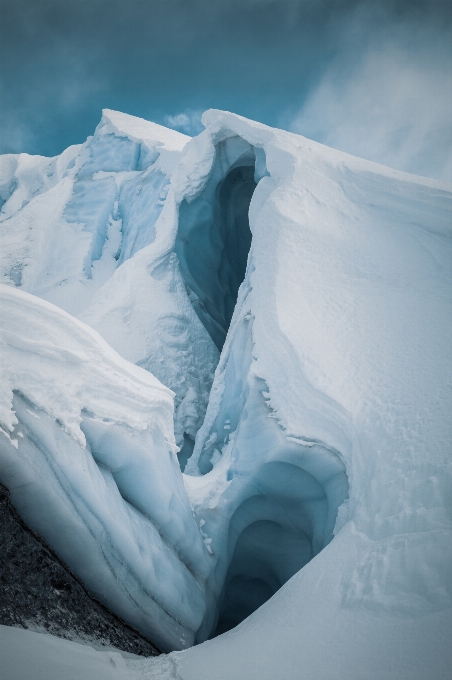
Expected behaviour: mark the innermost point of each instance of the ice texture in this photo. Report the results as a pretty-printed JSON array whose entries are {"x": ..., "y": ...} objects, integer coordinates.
[
  {"x": 338, "y": 363},
  {"x": 317, "y": 470},
  {"x": 214, "y": 238},
  {"x": 88, "y": 454},
  {"x": 69, "y": 221}
]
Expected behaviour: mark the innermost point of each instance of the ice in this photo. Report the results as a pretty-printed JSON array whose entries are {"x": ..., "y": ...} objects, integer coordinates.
[
  {"x": 268, "y": 504},
  {"x": 140, "y": 203},
  {"x": 213, "y": 237},
  {"x": 72, "y": 235},
  {"x": 69, "y": 221},
  {"x": 92, "y": 204},
  {"x": 345, "y": 357},
  {"x": 313, "y": 519},
  {"x": 22, "y": 177},
  {"x": 90, "y": 438},
  {"x": 168, "y": 340}
]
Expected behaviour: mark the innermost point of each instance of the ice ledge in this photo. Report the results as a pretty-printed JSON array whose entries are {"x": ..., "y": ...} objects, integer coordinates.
[{"x": 140, "y": 130}]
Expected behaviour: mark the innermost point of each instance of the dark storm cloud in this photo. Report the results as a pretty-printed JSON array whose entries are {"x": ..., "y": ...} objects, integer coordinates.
[{"x": 65, "y": 60}]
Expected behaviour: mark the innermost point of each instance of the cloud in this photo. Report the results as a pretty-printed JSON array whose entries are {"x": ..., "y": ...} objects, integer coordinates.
[
  {"x": 187, "y": 121},
  {"x": 38, "y": 113},
  {"x": 167, "y": 60},
  {"x": 393, "y": 105}
]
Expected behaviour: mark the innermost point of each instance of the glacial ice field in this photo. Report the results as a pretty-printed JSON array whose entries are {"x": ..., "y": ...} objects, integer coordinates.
[{"x": 226, "y": 398}]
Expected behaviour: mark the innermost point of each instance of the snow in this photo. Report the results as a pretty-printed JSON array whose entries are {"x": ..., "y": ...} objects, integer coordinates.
[
  {"x": 67, "y": 221},
  {"x": 319, "y": 468},
  {"x": 27, "y": 655},
  {"x": 140, "y": 130},
  {"x": 348, "y": 304}
]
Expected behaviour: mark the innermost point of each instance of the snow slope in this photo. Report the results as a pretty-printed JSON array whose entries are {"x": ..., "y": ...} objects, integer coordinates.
[
  {"x": 27, "y": 655},
  {"x": 320, "y": 478}
]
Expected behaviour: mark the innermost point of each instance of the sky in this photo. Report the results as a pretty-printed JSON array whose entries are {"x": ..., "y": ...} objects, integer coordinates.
[{"x": 371, "y": 77}]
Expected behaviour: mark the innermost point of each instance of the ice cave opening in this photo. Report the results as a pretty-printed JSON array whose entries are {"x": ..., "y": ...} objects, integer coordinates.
[
  {"x": 266, "y": 555},
  {"x": 276, "y": 531},
  {"x": 214, "y": 237}
]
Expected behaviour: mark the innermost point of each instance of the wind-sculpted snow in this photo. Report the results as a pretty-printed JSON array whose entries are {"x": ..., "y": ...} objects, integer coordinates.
[
  {"x": 269, "y": 504},
  {"x": 320, "y": 474},
  {"x": 347, "y": 304}
]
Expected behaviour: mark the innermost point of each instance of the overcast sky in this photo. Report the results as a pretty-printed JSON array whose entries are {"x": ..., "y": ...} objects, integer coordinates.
[{"x": 371, "y": 77}]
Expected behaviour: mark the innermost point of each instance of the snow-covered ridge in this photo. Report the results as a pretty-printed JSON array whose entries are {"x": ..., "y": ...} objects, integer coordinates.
[
  {"x": 140, "y": 130},
  {"x": 324, "y": 281}
]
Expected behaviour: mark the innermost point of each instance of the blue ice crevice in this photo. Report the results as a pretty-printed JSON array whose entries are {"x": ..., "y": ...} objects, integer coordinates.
[{"x": 278, "y": 498}]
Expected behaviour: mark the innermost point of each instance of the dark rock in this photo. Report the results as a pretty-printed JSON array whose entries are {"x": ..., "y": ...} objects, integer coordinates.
[{"x": 38, "y": 591}]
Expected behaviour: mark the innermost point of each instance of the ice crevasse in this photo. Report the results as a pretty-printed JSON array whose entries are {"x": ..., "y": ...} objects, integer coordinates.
[{"x": 295, "y": 303}]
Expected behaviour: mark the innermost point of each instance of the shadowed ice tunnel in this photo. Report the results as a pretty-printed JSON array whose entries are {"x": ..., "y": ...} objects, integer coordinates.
[
  {"x": 214, "y": 237},
  {"x": 276, "y": 531}
]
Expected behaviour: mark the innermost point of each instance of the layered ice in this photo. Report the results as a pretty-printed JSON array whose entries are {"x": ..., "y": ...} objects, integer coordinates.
[
  {"x": 317, "y": 468},
  {"x": 88, "y": 454}
]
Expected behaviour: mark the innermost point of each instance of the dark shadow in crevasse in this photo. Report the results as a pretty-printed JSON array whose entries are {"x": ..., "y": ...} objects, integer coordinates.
[
  {"x": 266, "y": 555},
  {"x": 276, "y": 531},
  {"x": 214, "y": 240}
]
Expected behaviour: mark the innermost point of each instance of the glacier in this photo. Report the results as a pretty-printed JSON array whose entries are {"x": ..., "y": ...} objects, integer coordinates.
[{"x": 227, "y": 394}]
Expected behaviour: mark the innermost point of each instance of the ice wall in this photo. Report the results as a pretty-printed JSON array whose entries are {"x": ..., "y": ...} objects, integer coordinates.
[
  {"x": 213, "y": 236},
  {"x": 68, "y": 222},
  {"x": 71, "y": 222},
  {"x": 265, "y": 505},
  {"x": 40, "y": 593},
  {"x": 196, "y": 261},
  {"x": 337, "y": 363},
  {"x": 87, "y": 452}
]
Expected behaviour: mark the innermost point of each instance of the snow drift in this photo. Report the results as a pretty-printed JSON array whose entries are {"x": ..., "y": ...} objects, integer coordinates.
[{"x": 324, "y": 281}]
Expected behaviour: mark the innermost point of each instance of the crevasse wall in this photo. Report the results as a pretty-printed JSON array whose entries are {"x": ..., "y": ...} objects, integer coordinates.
[
  {"x": 87, "y": 451},
  {"x": 213, "y": 236},
  {"x": 277, "y": 500},
  {"x": 198, "y": 258}
]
